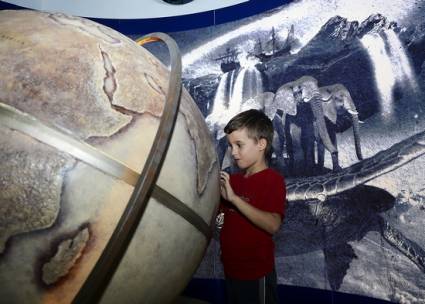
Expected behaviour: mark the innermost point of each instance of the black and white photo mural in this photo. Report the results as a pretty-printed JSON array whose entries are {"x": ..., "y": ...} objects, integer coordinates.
[{"x": 343, "y": 82}]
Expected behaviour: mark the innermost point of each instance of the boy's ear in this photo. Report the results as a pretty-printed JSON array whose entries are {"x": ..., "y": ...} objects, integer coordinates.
[{"x": 262, "y": 142}]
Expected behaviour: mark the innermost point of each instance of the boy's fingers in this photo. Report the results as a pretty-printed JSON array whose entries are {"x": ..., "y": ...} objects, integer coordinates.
[{"x": 224, "y": 173}]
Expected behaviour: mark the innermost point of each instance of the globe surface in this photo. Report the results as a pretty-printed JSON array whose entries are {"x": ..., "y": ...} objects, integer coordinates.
[{"x": 57, "y": 212}]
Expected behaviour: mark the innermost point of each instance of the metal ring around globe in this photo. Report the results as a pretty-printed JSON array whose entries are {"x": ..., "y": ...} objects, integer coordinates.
[
  {"x": 171, "y": 202},
  {"x": 115, "y": 249},
  {"x": 25, "y": 123},
  {"x": 14, "y": 119}
]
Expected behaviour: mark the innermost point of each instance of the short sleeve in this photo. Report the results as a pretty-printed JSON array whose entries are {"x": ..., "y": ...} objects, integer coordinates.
[{"x": 276, "y": 195}]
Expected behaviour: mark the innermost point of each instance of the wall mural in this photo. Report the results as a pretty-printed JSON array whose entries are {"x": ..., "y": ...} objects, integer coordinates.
[{"x": 344, "y": 85}]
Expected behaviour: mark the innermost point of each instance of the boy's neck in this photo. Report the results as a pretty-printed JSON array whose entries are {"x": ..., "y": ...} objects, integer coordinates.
[{"x": 255, "y": 168}]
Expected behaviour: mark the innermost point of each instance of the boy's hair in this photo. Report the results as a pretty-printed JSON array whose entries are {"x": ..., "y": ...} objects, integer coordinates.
[{"x": 258, "y": 126}]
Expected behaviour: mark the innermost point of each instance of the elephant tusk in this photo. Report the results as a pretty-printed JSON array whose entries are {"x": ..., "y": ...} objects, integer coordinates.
[{"x": 353, "y": 112}]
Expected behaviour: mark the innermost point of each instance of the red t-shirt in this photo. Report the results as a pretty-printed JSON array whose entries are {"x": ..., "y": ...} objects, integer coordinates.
[{"x": 247, "y": 252}]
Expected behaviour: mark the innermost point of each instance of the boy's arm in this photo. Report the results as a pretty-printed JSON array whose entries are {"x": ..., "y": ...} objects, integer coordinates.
[{"x": 268, "y": 221}]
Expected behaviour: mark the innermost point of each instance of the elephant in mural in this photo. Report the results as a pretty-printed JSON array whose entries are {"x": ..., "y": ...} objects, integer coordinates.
[
  {"x": 304, "y": 121},
  {"x": 340, "y": 114},
  {"x": 275, "y": 115},
  {"x": 312, "y": 116}
]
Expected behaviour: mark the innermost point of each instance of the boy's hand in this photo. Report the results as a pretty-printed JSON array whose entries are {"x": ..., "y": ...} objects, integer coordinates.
[
  {"x": 268, "y": 221},
  {"x": 225, "y": 187}
]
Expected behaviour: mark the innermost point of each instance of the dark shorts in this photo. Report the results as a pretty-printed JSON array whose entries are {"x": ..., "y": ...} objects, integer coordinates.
[{"x": 260, "y": 291}]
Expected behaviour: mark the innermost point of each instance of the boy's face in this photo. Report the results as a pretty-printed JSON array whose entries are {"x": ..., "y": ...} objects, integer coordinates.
[{"x": 247, "y": 152}]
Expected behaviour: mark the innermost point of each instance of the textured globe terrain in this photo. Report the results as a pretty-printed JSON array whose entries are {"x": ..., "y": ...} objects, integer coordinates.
[{"x": 57, "y": 212}]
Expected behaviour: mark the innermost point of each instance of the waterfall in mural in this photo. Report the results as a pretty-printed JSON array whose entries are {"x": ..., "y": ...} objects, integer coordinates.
[
  {"x": 218, "y": 108},
  {"x": 401, "y": 63},
  {"x": 384, "y": 76},
  {"x": 235, "y": 88},
  {"x": 391, "y": 66}
]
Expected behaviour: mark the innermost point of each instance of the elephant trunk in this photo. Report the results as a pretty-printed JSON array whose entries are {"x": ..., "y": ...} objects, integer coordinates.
[
  {"x": 355, "y": 118},
  {"x": 317, "y": 108},
  {"x": 356, "y": 133}
]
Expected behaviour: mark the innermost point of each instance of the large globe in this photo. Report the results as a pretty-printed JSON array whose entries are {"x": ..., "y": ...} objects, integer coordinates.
[{"x": 68, "y": 85}]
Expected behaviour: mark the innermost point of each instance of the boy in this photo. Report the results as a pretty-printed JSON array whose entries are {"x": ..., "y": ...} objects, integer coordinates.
[{"x": 253, "y": 209}]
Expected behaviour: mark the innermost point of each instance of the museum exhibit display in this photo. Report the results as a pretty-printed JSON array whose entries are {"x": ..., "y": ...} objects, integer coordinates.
[{"x": 343, "y": 83}]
